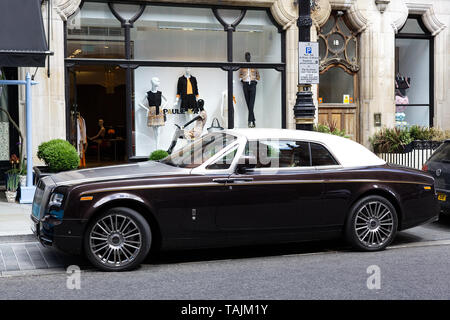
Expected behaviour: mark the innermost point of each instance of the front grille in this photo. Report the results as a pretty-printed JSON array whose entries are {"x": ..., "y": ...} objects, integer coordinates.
[{"x": 41, "y": 196}]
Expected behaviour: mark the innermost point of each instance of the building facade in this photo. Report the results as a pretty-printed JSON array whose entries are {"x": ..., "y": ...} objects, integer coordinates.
[{"x": 109, "y": 56}]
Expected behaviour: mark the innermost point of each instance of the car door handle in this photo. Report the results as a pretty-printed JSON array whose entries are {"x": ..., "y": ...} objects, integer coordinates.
[
  {"x": 221, "y": 180},
  {"x": 232, "y": 180}
]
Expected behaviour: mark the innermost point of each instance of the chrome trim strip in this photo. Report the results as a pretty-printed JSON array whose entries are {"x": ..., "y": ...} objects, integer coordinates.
[{"x": 243, "y": 183}]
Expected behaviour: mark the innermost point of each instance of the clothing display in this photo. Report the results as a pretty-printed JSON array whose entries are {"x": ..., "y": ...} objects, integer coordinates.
[
  {"x": 155, "y": 114},
  {"x": 81, "y": 140},
  {"x": 187, "y": 91}
]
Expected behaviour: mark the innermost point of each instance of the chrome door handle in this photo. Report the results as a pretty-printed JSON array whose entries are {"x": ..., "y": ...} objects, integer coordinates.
[{"x": 221, "y": 180}]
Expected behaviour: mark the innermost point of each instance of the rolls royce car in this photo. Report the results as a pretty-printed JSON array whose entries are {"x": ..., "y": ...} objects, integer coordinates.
[
  {"x": 232, "y": 188},
  {"x": 439, "y": 167}
]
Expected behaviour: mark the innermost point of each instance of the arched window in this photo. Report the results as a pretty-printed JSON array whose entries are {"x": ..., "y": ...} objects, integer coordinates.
[{"x": 339, "y": 65}]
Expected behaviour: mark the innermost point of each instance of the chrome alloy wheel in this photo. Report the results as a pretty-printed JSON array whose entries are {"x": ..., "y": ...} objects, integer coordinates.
[
  {"x": 115, "y": 240},
  {"x": 374, "y": 224}
]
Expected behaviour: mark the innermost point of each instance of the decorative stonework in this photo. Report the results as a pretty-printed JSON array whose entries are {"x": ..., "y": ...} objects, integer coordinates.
[
  {"x": 321, "y": 14},
  {"x": 65, "y": 8},
  {"x": 428, "y": 16}
]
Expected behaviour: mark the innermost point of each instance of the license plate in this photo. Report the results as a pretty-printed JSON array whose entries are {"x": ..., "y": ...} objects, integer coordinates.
[{"x": 442, "y": 197}]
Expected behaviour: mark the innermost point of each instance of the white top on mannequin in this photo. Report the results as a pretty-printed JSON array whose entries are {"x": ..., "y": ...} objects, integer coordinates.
[
  {"x": 187, "y": 74},
  {"x": 155, "y": 86}
]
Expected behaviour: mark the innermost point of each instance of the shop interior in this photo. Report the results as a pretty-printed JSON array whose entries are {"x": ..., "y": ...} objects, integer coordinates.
[{"x": 98, "y": 98}]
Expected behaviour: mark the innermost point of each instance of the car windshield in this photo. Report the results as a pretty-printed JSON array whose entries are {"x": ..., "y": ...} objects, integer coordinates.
[{"x": 199, "y": 151}]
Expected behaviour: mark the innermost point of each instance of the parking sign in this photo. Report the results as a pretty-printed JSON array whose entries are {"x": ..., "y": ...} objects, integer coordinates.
[{"x": 308, "y": 62}]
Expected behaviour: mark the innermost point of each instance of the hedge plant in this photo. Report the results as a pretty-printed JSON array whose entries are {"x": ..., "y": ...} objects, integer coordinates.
[
  {"x": 58, "y": 155},
  {"x": 158, "y": 155}
]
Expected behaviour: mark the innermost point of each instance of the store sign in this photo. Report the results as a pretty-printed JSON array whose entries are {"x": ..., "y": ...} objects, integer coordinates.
[{"x": 308, "y": 60}]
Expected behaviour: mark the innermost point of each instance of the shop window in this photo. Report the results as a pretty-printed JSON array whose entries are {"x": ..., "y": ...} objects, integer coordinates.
[
  {"x": 257, "y": 35},
  {"x": 172, "y": 34},
  {"x": 257, "y": 98},
  {"x": 413, "y": 81},
  {"x": 164, "y": 41},
  {"x": 94, "y": 32},
  {"x": 153, "y": 132}
]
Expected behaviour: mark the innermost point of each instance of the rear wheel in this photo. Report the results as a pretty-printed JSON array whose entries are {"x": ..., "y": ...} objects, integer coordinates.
[
  {"x": 371, "y": 224},
  {"x": 117, "y": 240}
]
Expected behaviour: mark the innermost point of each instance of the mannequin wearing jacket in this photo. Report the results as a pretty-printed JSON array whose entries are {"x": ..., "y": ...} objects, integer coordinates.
[
  {"x": 187, "y": 91},
  {"x": 249, "y": 78}
]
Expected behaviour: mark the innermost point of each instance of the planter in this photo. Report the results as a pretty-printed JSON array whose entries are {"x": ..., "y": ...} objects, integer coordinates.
[
  {"x": 40, "y": 172},
  {"x": 23, "y": 181},
  {"x": 11, "y": 196}
]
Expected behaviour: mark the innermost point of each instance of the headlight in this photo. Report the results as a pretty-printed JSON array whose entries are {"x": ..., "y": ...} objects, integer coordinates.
[{"x": 56, "y": 200}]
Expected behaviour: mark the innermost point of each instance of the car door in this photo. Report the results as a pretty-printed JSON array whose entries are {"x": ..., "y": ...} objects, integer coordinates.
[{"x": 279, "y": 198}]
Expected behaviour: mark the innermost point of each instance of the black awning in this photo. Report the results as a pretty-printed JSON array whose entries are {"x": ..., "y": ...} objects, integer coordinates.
[{"x": 22, "y": 35}]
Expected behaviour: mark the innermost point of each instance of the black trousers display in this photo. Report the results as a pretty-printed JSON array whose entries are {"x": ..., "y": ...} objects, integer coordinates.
[{"x": 250, "y": 94}]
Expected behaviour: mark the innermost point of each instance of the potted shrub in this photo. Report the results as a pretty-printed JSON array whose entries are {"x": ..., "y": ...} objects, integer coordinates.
[
  {"x": 58, "y": 155},
  {"x": 12, "y": 184},
  {"x": 158, "y": 155}
]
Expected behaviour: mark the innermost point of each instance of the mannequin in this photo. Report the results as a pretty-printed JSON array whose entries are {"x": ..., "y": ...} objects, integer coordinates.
[
  {"x": 155, "y": 115},
  {"x": 187, "y": 93},
  {"x": 249, "y": 78}
]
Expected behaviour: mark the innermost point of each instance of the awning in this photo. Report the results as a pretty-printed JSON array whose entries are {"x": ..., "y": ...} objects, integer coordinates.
[{"x": 22, "y": 35}]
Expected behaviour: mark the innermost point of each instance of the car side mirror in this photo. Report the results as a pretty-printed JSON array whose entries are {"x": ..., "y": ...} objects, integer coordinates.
[{"x": 245, "y": 164}]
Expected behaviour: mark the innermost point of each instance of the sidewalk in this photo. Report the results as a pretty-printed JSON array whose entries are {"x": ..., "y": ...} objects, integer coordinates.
[{"x": 14, "y": 218}]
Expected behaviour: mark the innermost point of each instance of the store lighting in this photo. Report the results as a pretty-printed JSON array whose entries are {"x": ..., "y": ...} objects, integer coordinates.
[{"x": 203, "y": 27}]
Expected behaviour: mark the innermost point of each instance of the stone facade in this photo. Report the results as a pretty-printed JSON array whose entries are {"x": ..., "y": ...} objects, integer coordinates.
[{"x": 377, "y": 50}]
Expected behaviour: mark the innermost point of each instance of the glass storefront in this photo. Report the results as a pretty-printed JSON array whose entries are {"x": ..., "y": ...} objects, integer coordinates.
[
  {"x": 180, "y": 55},
  {"x": 414, "y": 65}
]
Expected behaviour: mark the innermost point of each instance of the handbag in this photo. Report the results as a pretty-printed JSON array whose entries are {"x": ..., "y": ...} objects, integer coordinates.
[{"x": 215, "y": 126}]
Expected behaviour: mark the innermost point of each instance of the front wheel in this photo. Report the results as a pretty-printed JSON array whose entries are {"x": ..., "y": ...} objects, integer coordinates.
[
  {"x": 371, "y": 224},
  {"x": 117, "y": 240}
]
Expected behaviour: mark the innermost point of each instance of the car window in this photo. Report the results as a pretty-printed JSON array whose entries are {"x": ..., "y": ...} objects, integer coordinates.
[
  {"x": 224, "y": 162},
  {"x": 320, "y": 156},
  {"x": 442, "y": 154},
  {"x": 197, "y": 152},
  {"x": 279, "y": 153}
]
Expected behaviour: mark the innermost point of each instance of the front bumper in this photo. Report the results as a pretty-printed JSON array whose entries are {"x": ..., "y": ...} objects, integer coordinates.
[{"x": 66, "y": 237}]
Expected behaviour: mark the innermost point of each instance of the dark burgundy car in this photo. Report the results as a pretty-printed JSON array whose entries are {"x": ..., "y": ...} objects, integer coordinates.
[
  {"x": 230, "y": 188},
  {"x": 439, "y": 167}
]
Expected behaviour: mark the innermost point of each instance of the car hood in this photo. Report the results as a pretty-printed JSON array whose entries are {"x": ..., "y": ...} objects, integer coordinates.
[{"x": 126, "y": 171}]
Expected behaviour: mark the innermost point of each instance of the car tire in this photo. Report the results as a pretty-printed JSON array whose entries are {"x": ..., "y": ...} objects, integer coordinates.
[
  {"x": 371, "y": 224},
  {"x": 117, "y": 240}
]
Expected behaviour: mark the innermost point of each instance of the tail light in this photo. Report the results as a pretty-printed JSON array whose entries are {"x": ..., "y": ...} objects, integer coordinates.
[{"x": 425, "y": 167}]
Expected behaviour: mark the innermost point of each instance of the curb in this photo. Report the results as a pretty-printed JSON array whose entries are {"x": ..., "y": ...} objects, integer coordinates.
[{"x": 18, "y": 238}]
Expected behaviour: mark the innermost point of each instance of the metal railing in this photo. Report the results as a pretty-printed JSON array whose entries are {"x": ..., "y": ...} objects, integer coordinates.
[{"x": 414, "y": 155}]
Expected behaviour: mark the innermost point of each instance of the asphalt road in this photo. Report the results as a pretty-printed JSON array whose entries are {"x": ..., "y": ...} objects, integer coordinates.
[{"x": 415, "y": 267}]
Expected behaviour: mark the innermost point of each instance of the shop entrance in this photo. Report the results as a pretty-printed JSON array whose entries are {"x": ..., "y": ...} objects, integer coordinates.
[{"x": 97, "y": 115}]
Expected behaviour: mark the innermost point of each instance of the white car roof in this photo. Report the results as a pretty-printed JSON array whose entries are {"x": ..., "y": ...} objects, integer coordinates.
[{"x": 348, "y": 152}]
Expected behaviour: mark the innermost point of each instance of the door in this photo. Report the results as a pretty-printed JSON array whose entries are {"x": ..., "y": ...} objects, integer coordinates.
[{"x": 279, "y": 198}]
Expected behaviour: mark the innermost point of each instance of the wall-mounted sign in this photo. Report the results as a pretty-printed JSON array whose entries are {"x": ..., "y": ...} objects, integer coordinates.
[
  {"x": 377, "y": 119},
  {"x": 320, "y": 99},
  {"x": 308, "y": 60}
]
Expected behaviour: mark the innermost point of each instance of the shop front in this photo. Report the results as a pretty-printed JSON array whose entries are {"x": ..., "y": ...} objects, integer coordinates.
[{"x": 135, "y": 73}]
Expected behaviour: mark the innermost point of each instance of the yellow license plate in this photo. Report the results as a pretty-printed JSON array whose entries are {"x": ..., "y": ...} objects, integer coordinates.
[{"x": 442, "y": 197}]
